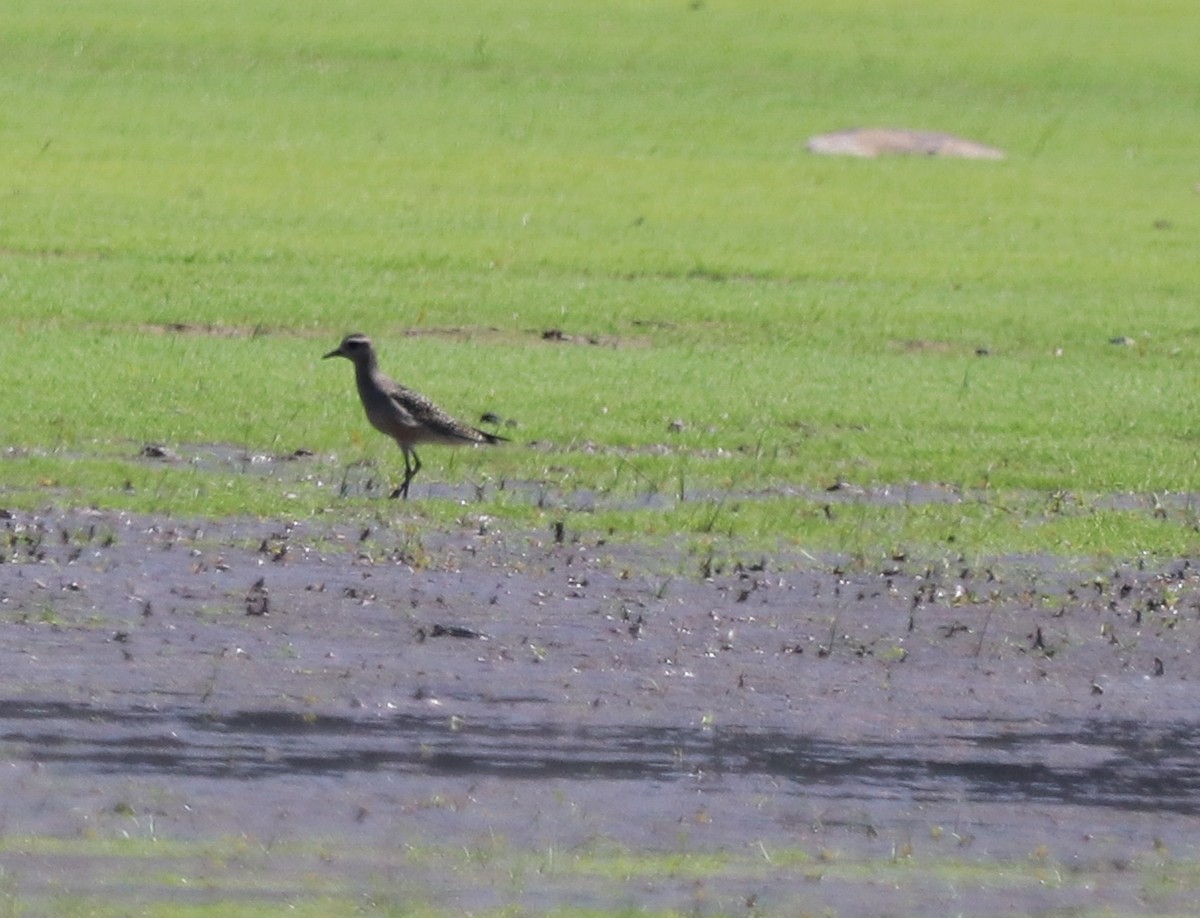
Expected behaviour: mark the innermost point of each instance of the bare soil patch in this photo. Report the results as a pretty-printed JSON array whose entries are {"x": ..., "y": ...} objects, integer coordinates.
[
  {"x": 871, "y": 142},
  {"x": 374, "y": 711}
]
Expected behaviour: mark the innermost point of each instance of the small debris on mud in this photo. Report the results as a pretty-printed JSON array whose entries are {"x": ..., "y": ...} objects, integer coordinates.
[
  {"x": 454, "y": 631},
  {"x": 495, "y": 420},
  {"x": 158, "y": 451},
  {"x": 257, "y": 602},
  {"x": 1038, "y": 642},
  {"x": 840, "y": 485}
]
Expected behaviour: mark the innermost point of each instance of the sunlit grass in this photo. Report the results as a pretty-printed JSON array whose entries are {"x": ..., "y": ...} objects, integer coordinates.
[
  {"x": 198, "y": 203},
  {"x": 246, "y": 879}
]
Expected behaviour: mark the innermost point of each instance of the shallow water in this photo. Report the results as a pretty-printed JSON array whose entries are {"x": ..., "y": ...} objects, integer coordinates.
[{"x": 1121, "y": 765}]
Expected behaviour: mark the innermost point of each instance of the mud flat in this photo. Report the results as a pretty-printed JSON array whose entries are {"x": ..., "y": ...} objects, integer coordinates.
[{"x": 321, "y": 715}]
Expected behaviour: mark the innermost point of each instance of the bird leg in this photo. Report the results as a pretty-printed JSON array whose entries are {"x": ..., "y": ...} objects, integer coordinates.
[{"x": 410, "y": 472}]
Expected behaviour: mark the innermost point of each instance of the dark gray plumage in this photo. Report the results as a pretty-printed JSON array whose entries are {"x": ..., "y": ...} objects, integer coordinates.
[{"x": 406, "y": 416}]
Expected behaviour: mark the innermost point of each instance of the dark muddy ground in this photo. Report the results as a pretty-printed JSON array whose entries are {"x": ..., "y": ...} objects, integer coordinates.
[{"x": 487, "y": 719}]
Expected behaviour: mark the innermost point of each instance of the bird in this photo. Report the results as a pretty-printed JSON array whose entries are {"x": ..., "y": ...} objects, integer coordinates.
[{"x": 408, "y": 417}]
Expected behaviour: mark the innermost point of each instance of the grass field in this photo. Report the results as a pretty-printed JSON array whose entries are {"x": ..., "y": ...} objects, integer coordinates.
[
  {"x": 199, "y": 200},
  {"x": 164, "y": 867}
]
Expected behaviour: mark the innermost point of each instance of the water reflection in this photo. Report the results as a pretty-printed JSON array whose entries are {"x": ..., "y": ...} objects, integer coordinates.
[{"x": 1114, "y": 764}]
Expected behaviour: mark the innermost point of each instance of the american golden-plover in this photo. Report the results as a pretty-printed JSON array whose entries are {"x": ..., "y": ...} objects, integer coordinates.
[{"x": 406, "y": 416}]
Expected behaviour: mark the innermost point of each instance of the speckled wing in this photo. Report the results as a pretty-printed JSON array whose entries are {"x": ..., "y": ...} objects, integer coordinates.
[{"x": 437, "y": 424}]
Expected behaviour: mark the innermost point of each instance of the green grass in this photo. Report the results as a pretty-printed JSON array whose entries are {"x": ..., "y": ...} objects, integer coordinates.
[
  {"x": 274, "y": 175},
  {"x": 245, "y": 878}
]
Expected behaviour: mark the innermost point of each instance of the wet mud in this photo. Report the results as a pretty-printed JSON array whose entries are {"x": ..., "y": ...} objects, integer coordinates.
[{"x": 355, "y": 709}]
